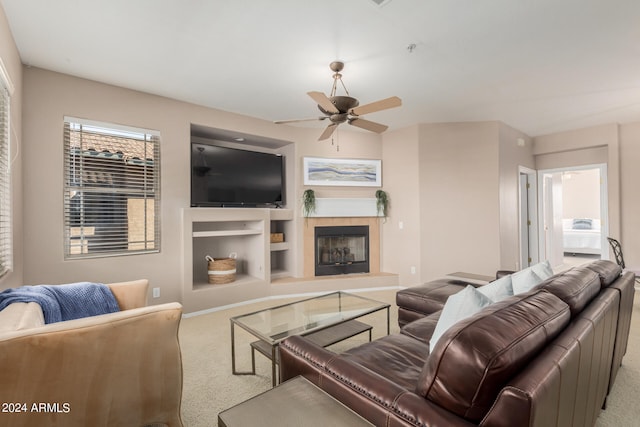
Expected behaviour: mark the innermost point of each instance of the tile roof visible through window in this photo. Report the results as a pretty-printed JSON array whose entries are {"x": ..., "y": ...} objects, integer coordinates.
[{"x": 131, "y": 150}]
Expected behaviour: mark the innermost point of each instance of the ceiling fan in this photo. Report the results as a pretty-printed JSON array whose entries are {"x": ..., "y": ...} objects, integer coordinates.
[{"x": 341, "y": 109}]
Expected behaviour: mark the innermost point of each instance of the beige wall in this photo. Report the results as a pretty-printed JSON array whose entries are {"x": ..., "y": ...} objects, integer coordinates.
[
  {"x": 459, "y": 198},
  {"x": 630, "y": 194},
  {"x": 512, "y": 155},
  {"x": 401, "y": 232},
  {"x": 13, "y": 66}
]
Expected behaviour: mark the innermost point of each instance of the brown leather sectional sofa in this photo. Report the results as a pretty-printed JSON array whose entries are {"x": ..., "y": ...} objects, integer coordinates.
[{"x": 547, "y": 357}]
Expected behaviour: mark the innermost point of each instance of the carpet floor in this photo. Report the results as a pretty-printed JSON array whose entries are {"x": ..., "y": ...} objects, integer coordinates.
[{"x": 209, "y": 386}]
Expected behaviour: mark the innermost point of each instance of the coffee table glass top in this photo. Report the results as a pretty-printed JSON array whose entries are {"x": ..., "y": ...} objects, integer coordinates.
[{"x": 302, "y": 317}]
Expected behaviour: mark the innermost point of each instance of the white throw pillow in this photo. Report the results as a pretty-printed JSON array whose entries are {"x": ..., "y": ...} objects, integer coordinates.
[
  {"x": 498, "y": 289},
  {"x": 458, "y": 306},
  {"x": 524, "y": 280},
  {"x": 543, "y": 269}
]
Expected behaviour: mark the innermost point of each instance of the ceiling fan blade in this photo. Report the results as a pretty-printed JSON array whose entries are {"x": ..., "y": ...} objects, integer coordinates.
[
  {"x": 315, "y": 119},
  {"x": 323, "y": 101},
  {"x": 372, "y": 107},
  {"x": 368, "y": 125},
  {"x": 328, "y": 131}
]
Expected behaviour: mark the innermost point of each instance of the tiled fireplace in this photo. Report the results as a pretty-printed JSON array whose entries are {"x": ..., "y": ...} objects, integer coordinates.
[
  {"x": 341, "y": 245},
  {"x": 341, "y": 250}
]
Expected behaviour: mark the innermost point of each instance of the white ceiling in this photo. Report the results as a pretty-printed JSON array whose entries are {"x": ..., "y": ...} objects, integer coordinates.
[{"x": 540, "y": 66}]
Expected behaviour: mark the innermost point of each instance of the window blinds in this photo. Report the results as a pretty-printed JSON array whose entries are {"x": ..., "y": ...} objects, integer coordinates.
[
  {"x": 111, "y": 189},
  {"x": 6, "y": 251}
]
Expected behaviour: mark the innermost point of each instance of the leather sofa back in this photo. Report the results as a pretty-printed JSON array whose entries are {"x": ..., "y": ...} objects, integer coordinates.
[
  {"x": 576, "y": 287},
  {"x": 567, "y": 383},
  {"x": 475, "y": 358},
  {"x": 608, "y": 271}
]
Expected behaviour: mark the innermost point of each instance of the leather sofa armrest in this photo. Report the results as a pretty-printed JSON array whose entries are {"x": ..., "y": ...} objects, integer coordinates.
[
  {"x": 374, "y": 397},
  {"x": 297, "y": 354},
  {"x": 132, "y": 294}
]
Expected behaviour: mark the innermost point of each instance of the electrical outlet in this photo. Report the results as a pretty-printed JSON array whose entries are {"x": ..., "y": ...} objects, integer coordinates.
[
  {"x": 413, "y": 270},
  {"x": 156, "y": 292}
]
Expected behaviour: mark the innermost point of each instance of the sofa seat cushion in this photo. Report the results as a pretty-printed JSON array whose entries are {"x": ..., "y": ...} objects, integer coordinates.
[
  {"x": 397, "y": 357},
  {"x": 478, "y": 355},
  {"x": 430, "y": 297},
  {"x": 422, "y": 329},
  {"x": 576, "y": 287},
  {"x": 20, "y": 316}
]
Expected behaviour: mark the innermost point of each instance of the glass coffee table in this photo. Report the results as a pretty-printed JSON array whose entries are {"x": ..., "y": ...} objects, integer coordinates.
[{"x": 325, "y": 319}]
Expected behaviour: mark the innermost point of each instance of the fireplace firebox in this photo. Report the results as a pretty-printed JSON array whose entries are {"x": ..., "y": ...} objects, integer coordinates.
[{"x": 341, "y": 250}]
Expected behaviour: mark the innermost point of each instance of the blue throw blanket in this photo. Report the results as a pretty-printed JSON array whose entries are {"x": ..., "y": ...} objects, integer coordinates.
[{"x": 64, "y": 302}]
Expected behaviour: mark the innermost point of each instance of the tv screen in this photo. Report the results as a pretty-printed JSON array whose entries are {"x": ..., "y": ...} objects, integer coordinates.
[{"x": 222, "y": 176}]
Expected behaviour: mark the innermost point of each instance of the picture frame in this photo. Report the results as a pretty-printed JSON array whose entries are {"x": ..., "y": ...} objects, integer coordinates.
[{"x": 342, "y": 172}]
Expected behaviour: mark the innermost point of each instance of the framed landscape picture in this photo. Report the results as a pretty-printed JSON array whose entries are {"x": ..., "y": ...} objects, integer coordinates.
[{"x": 342, "y": 172}]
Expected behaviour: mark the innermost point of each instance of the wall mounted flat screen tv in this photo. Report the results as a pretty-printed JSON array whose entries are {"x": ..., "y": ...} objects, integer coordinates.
[{"x": 222, "y": 176}]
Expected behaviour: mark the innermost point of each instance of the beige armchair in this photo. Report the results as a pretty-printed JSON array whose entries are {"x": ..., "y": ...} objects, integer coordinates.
[{"x": 118, "y": 369}]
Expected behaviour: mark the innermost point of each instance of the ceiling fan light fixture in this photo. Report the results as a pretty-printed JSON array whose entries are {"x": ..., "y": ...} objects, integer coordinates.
[{"x": 340, "y": 109}]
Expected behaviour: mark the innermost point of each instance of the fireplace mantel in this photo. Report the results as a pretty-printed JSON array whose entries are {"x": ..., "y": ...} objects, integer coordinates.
[
  {"x": 309, "y": 239},
  {"x": 345, "y": 208}
]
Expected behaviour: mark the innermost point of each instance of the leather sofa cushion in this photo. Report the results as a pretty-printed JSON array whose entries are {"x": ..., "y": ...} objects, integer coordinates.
[
  {"x": 407, "y": 316},
  {"x": 607, "y": 270},
  {"x": 396, "y": 357},
  {"x": 576, "y": 287},
  {"x": 422, "y": 329},
  {"x": 477, "y": 356}
]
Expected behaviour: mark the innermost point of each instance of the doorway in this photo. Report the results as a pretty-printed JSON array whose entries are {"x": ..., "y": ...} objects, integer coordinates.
[{"x": 573, "y": 213}]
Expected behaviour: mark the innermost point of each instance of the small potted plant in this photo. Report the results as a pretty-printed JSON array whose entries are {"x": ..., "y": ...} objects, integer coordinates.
[
  {"x": 308, "y": 202},
  {"x": 382, "y": 203}
]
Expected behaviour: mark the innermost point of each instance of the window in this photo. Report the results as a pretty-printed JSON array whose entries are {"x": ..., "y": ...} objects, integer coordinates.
[
  {"x": 111, "y": 190},
  {"x": 6, "y": 250}
]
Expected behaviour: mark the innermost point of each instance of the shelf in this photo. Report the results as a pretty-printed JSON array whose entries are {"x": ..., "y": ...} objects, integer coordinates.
[
  {"x": 241, "y": 279},
  {"x": 281, "y": 214},
  {"x": 279, "y": 274},
  {"x": 223, "y": 233},
  {"x": 282, "y": 246}
]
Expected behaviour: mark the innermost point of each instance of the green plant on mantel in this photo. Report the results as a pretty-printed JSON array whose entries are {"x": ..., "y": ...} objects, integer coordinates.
[
  {"x": 308, "y": 202},
  {"x": 382, "y": 203}
]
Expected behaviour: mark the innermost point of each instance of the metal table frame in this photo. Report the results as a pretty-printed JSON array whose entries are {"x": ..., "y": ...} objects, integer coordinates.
[{"x": 236, "y": 320}]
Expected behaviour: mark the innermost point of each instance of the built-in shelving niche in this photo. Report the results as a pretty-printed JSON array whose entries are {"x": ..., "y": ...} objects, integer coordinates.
[{"x": 219, "y": 232}]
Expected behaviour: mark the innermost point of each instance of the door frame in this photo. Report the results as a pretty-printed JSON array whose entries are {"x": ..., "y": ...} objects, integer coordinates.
[
  {"x": 529, "y": 203},
  {"x": 604, "y": 203}
]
